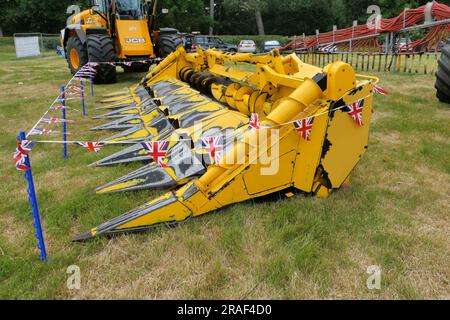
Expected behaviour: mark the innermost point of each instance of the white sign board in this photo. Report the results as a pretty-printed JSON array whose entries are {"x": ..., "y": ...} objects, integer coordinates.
[{"x": 27, "y": 47}]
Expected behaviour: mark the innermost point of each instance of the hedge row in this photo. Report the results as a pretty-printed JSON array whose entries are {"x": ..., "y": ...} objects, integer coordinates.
[{"x": 52, "y": 42}]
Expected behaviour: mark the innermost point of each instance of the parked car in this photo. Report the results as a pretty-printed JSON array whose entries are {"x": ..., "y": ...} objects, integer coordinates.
[
  {"x": 270, "y": 45},
  {"x": 247, "y": 46},
  {"x": 193, "y": 42},
  {"x": 402, "y": 45}
]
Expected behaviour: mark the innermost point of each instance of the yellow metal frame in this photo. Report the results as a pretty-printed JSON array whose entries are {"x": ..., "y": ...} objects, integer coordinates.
[{"x": 281, "y": 89}]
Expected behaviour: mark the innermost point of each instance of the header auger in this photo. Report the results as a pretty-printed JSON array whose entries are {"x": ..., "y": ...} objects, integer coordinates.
[{"x": 284, "y": 125}]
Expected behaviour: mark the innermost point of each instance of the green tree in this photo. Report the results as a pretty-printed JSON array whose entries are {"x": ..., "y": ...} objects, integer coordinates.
[
  {"x": 255, "y": 6},
  {"x": 185, "y": 15},
  {"x": 46, "y": 16}
]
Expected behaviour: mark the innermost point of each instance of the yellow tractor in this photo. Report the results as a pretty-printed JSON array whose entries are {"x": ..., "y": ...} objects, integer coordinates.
[{"x": 120, "y": 31}]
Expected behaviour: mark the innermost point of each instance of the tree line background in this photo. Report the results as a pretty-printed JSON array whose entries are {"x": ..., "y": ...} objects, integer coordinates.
[{"x": 231, "y": 17}]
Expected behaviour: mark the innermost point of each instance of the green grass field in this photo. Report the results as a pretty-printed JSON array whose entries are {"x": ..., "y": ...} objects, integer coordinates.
[{"x": 394, "y": 214}]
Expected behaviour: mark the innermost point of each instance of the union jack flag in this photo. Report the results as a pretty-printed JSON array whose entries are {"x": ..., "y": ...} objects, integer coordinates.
[
  {"x": 92, "y": 146},
  {"x": 87, "y": 70},
  {"x": 20, "y": 162},
  {"x": 304, "y": 127},
  {"x": 356, "y": 110},
  {"x": 73, "y": 94},
  {"x": 24, "y": 146},
  {"x": 380, "y": 90},
  {"x": 157, "y": 150},
  {"x": 53, "y": 120},
  {"x": 73, "y": 88},
  {"x": 255, "y": 122},
  {"x": 214, "y": 147},
  {"x": 23, "y": 149},
  {"x": 40, "y": 132}
]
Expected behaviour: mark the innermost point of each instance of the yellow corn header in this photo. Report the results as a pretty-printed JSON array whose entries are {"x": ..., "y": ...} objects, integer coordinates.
[{"x": 215, "y": 135}]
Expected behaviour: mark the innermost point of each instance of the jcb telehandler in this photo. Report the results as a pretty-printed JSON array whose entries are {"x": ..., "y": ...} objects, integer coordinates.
[{"x": 117, "y": 31}]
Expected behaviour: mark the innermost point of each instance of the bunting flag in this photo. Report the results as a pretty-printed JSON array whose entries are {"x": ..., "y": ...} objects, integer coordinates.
[
  {"x": 20, "y": 162},
  {"x": 255, "y": 122},
  {"x": 380, "y": 90},
  {"x": 356, "y": 110},
  {"x": 304, "y": 127},
  {"x": 214, "y": 147},
  {"x": 53, "y": 120},
  {"x": 92, "y": 146},
  {"x": 128, "y": 63},
  {"x": 157, "y": 150},
  {"x": 40, "y": 132},
  {"x": 87, "y": 70},
  {"x": 67, "y": 98},
  {"x": 57, "y": 107},
  {"x": 72, "y": 93},
  {"x": 23, "y": 149},
  {"x": 24, "y": 146},
  {"x": 73, "y": 89}
]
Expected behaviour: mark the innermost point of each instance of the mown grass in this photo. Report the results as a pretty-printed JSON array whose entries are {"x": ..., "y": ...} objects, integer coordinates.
[{"x": 394, "y": 214}]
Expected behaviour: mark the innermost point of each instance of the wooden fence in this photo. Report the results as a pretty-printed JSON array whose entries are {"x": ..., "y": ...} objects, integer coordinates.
[{"x": 419, "y": 63}]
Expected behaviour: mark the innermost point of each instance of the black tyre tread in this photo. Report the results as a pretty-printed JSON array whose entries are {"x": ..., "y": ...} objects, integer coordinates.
[
  {"x": 443, "y": 82},
  {"x": 168, "y": 43},
  {"x": 74, "y": 42},
  {"x": 101, "y": 49},
  {"x": 442, "y": 97},
  {"x": 137, "y": 67},
  {"x": 443, "y": 76},
  {"x": 444, "y": 64},
  {"x": 446, "y": 50}
]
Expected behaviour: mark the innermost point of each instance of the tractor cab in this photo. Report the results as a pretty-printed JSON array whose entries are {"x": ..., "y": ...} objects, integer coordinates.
[{"x": 130, "y": 10}]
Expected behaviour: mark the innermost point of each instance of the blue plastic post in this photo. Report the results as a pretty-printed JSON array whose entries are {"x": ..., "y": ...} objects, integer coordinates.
[
  {"x": 83, "y": 104},
  {"x": 92, "y": 82},
  {"x": 32, "y": 199},
  {"x": 64, "y": 125}
]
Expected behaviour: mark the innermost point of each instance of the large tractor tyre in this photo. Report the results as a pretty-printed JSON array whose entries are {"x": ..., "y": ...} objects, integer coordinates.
[
  {"x": 101, "y": 49},
  {"x": 443, "y": 76},
  {"x": 137, "y": 67},
  {"x": 77, "y": 55},
  {"x": 168, "y": 43}
]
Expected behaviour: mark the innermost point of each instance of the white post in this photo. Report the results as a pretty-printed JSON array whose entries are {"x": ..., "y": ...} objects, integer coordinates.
[
  {"x": 404, "y": 17},
  {"x": 317, "y": 36},
  {"x": 211, "y": 14},
  {"x": 334, "y": 33},
  {"x": 355, "y": 23}
]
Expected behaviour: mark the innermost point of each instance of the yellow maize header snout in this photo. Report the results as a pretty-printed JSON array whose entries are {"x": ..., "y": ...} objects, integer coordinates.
[{"x": 258, "y": 124}]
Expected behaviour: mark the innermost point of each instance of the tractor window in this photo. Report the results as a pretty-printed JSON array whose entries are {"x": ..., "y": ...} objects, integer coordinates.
[
  {"x": 100, "y": 4},
  {"x": 130, "y": 9}
]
